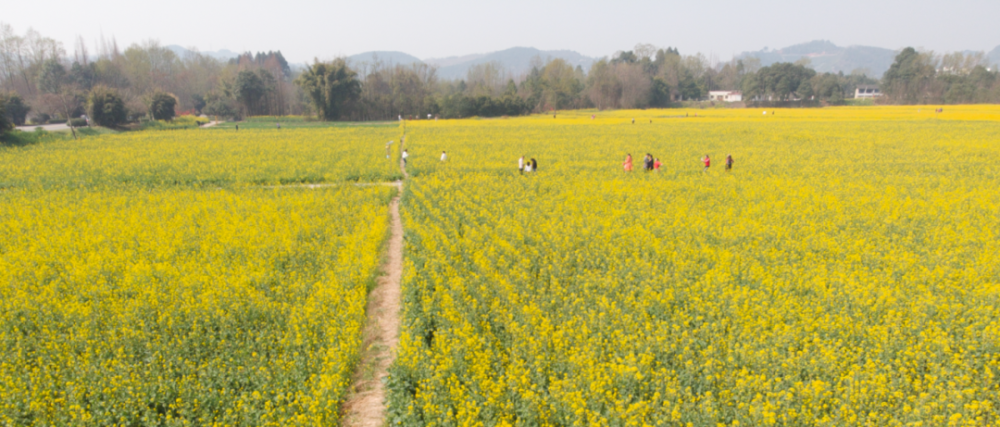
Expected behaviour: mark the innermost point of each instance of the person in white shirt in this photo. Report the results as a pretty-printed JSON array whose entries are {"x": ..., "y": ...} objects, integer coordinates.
[
  {"x": 520, "y": 165},
  {"x": 405, "y": 156},
  {"x": 444, "y": 156}
]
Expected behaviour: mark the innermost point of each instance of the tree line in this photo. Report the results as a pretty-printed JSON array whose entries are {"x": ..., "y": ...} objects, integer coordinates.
[{"x": 40, "y": 81}]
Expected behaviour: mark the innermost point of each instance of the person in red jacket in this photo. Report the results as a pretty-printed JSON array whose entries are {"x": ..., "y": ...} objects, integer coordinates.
[{"x": 707, "y": 161}]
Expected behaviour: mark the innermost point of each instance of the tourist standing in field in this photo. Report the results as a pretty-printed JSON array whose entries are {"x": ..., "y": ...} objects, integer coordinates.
[
  {"x": 444, "y": 156},
  {"x": 729, "y": 162},
  {"x": 405, "y": 156},
  {"x": 628, "y": 163},
  {"x": 534, "y": 165},
  {"x": 707, "y": 161},
  {"x": 656, "y": 164},
  {"x": 648, "y": 162},
  {"x": 520, "y": 165},
  {"x": 527, "y": 166}
]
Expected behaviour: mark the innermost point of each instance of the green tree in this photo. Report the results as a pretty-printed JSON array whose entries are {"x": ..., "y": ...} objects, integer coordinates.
[
  {"x": 220, "y": 108},
  {"x": 51, "y": 77},
  {"x": 604, "y": 88},
  {"x": 781, "y": 81},
  {"x": 331, "y": 86},
  {"x": 198, "y": 102},
  {"x": 249, "y": 90},
  {"x": 17, "y": 109},
  {"x": 162, "y": 106},
  {"x": 560, "y": 86},
  {"x": 106, "y": 107},
  {"x": 6, "y": 123},
  {"x": 907, "y": 78}
]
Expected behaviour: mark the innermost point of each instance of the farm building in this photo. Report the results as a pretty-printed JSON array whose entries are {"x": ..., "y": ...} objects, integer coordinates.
[
  {"x": 725, "y": 95},
  {"x": 867, "y": 92}
]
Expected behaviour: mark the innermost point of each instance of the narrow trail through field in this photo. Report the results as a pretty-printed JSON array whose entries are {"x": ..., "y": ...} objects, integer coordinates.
[{"x": 365, "y": 403}]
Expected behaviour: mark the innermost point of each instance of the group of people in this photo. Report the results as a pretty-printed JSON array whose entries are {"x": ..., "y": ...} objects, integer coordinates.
[
  {"x": 649, "y": 163},
  {"x": 530, "y": 165},
  {"x": 653, "y": 164}
]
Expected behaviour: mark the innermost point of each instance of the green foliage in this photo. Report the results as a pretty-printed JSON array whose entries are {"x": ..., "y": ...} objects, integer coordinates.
[
  {"x": 249, "y": 90},
  {"x": 106, "y": 107},
  {"x": 198, "y": 102},
  {"x": 5, "y": 123},
  {"x": 17, "y": 109},
  {"x": 78, "y": 123},
  {"x": 460, "y": 106},
  {"x": 330, "y": 86},
  {"x": 162, "y": 106},
  {"x": 39, "y": 119},
  {"x": 660, "y": 93},
  {"x": 51, "y": 77},
  {"x": 908, "y": 76},
  {"x": 222, "y": 108},
  {"x": 781, "y": 81}
]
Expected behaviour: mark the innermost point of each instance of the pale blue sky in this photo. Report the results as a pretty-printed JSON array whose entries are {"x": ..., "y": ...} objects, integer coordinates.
[{"x": 303, "y": 30}]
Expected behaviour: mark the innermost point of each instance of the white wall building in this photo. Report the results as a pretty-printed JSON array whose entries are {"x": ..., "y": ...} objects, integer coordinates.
[
  {"x": 867, "y": 92},
  {"x": 725, "y": 95}
]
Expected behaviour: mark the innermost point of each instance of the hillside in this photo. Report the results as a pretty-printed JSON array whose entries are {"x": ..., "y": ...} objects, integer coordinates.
[
  {"x": 386, "y": 57},
  {"x": 828, "y": 57},
  {"x": 516, "y": 59},
  {"x": 224, "y": 54},
  {"x": 994, "y": 56}
]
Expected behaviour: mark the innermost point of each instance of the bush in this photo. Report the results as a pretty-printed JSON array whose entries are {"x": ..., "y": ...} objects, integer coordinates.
[
  {"x": 106, "y": 107},
  {"x": 39, "y": 119},
  {"x": 78, "y": 123},
  {"x": 162, "y": 105},
  {"x": 56, "y": 121},
  {"x": 220, "y": 108},
  {"x": 5, "y": 123},
  {"x": 17, "y": 110}
]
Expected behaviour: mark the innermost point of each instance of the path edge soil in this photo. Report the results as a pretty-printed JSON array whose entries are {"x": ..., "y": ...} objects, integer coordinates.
[{"x": 365, "y": 402}]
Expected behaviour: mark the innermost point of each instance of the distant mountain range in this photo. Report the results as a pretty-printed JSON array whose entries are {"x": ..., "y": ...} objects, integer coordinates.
[
  {"x": 517, "y": 60},
  {"x": 824, "y": 56},
  {"x": 223, "y": 54}
]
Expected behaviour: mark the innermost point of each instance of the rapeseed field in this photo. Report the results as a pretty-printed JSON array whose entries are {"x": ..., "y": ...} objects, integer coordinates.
[
  {"x": 845, "y": 272},
  {"x": 160, "y": 278},
  {"x": 206, "y": 157}
]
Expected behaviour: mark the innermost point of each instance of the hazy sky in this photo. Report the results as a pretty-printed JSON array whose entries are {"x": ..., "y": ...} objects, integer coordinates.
[{"x": 303, "y": 30}]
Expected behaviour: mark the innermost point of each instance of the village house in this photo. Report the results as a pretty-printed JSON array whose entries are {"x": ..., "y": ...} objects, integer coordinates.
[
  {"x": 725, "y": 95},
  {"x": 867, "y": 92}
]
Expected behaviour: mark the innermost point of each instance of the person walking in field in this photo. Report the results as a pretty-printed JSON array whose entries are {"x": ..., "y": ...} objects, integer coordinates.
[
  {"x": 405, "y": 156},
  {"x": 656, "y": 165},
  {"x": 628, "y": 163},
  {"x": 633, "y": 120},
  {"x": 707, "y": 161},
  {"x": 648, "y": 162},
  {"x": 520, "y": 165},
  {"x": 729, "y": 162},
  {"x": 444, "y": 156},
  {"x": 534, "y": 165}
]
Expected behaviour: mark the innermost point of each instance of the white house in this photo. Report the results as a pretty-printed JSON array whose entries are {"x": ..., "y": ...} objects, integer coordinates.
[
  {"x": 867, "y": 92},
  {"x": 725, "y": 95}
]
